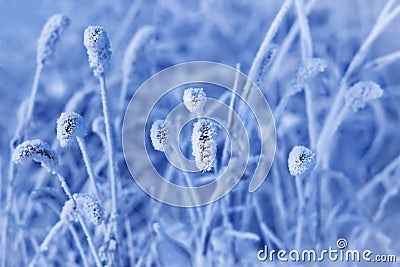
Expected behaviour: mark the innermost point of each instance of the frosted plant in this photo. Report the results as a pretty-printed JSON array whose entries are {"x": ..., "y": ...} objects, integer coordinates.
[
  {"x": 301, "y": 161},
  {"x": 361, "y": 93},
  {"x": 86, "y": 205},
  {"x": 159, "y": 134},
  {"x": 69, "y": 211},
  {"x": 194, "y": 99},
  {"x": 49, "y": 36},
  {"x": 98, "y": 49},
  {"x": 70, "y": 125},
  {"x": 36, "y": 150},
  {"x": 308, "y": 70},
  {"x": 203, "y": 144}
]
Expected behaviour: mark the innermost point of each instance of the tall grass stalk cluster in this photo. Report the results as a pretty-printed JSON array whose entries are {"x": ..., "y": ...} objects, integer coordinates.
[{"x": 327, "y": 69}]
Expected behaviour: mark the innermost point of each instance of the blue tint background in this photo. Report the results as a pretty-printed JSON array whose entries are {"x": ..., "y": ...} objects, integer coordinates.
[{"x": 232, "y": 230}]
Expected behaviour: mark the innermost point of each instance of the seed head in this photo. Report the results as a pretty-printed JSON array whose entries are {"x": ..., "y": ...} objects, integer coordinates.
[
  {"x": 97, "y": 44},
  {"x": 301, "y": 161},
  {"x": 49, "y": 36},
  {"x": 361, "y": 93},
  {"x": 203, "y": 144},
  {"x": 86, "y": 206},
  {"x": 159, "y": 134},
  {"x": 69, "y": 126},
  {"x": 194, "y": 98},
  {"x": 308, "y": 70},
  {"x": 38, "y": 151}
]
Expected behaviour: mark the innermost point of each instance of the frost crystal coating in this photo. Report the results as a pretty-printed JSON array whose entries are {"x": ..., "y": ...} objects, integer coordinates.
[
  {"x": 38, "y": 151},
  {"x": 361, "y": 93},
  {"x": 97, "y": 44},
  {"x": 203, "y": 144},
  {"x": 301, "y": 161},
  {"x": 69, "y": 126},
  {"x": 86, "y": 205},
  {"x": 159, "y": 134},
  {"x": 194, "y": 99}
]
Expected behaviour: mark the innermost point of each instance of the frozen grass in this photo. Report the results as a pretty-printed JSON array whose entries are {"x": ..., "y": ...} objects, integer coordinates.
[{"x": 327, "y": 68}]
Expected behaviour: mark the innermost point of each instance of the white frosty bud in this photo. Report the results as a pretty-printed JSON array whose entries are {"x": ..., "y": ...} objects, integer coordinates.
[
  {"x": 70, "y": 125},
  {"x": 38, "y": 151},
  {"x": 361, "y": 93},
  {"x": 301, "y": 161},
  {"x": 194, "y": 99},
  {"x": 86, "y": 206},
  {"x": 308, "y": 70},
  {"x": 97, "y": 44},
  {"x": 159, "y": 134},
  {"x": 203, "y": 144},
  {"x": 49, "y": 36}
]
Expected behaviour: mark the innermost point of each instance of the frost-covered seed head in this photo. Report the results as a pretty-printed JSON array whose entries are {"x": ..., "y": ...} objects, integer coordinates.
[
  {"x": 69, "y": 211},
  {"x": 361, "y": 93},
  {"x": 86, "y": 206},
  {"x": 159, "y": 134},
  {"x": 38, "y": 151},
  {"x": 203, "y": 144},
  {"x": 301, "y": 161},
  {"x": 308, "y": 70},
  {"x": 69, "y": 126},
  {"x": 49, "y": 36},
  {"x": 194, "y": 99},
  {"x": 97, "y": 44}
]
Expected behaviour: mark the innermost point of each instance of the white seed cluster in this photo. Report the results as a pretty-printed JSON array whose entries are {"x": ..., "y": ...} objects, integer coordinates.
[
  {"x": 203, "y": 144},
  {"x": 38, "y": 151},
  {"x": 86, "y": 206},
  {"x": 301, "y": 161},
  {"x": 70, "y": 125},
  {"x": 361, "y": 93},
  {"x": 98, "y": 49},
  {"x": 194, "y": 98},
  {"x": 159, "y": 134},
  {"x": 49, "y": 36},
  {"x": 308, "y": 70}
]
